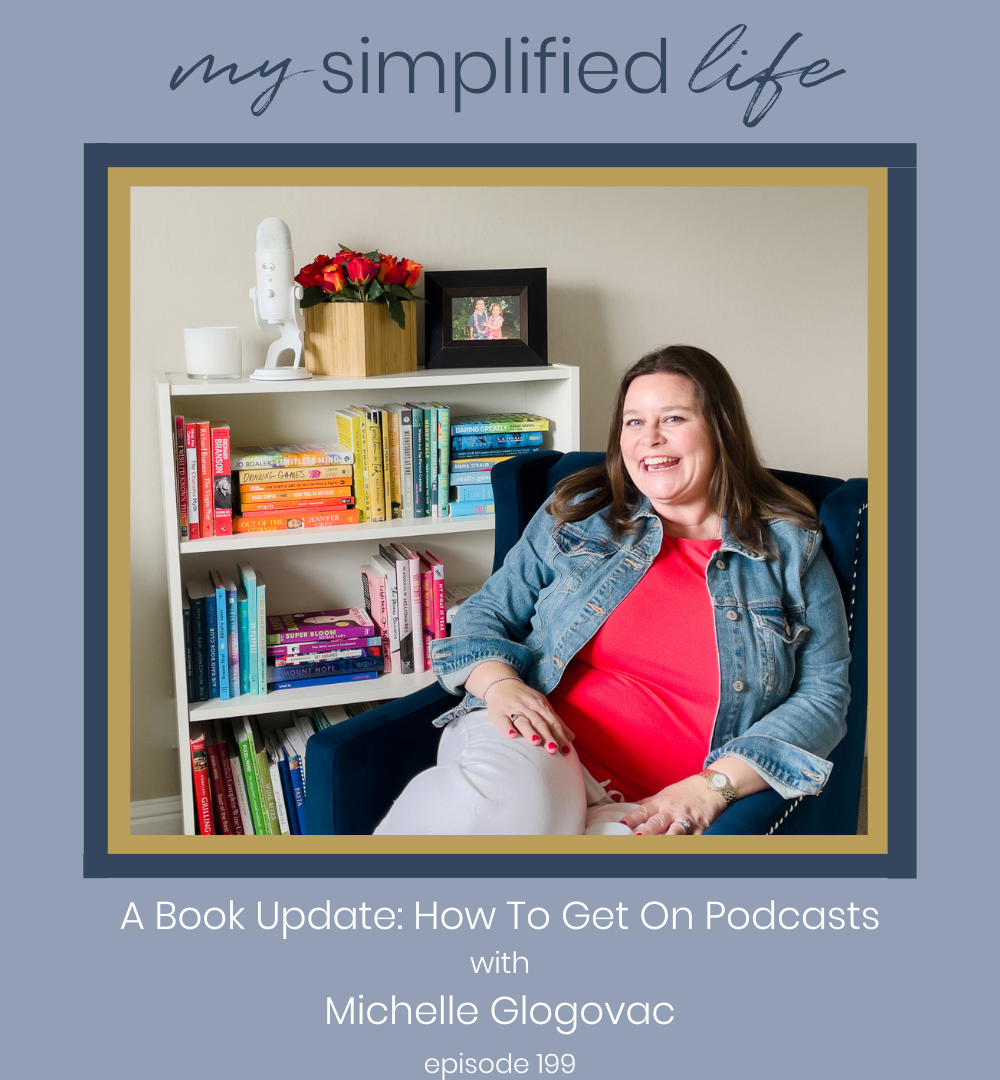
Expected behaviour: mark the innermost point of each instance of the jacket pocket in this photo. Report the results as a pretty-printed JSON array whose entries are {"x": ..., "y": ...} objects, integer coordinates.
[
  {"x": 780, "y": 634},
  {"x": 576, "y": 555}
]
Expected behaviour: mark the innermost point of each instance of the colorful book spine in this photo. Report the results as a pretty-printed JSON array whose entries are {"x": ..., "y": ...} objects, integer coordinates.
[
  {"x": 199, "y": 640},
  {"x": 443, "y": 458},
  {"x": 251, "y": 775},
  {"x": 277, "y": 784},
  {"x": 461, "y": 443},
  {"x": 218, "y": 735},
  {"x": 373, "y": 456},
  {"x": 188, "y": 655},
  {"x": 233, "y": 627},
  {"x": 431, "y": 466},
  {"x": 206, "y": 496},
  {"x": 306, "y": 519},
  {"x": 286, "y": 786},
  {"x": 300, "y": 475},
  {"x": 243, "y": 622},
  {"x": 387, "y": 569},
  {"x": 298, "y": 672},
  {"x": 393, "y": 460},
  {"x": 498, "y": 423},
  {"x": 419, "y": 459},
  {"x": 221, "y": 631},
  {"x": 222, "y": 491},
  {"x": 328, "y": 680},
  {"x": 220, "y": 805},
  {"x": 351, "y": 434},
  {"x": 490, "y": 455},
  {"x": 404, "y": 416},
  {"x": 239, "y": 781},
  {"x": 473, "y": 493},
  {"x": 284, "y": 507},
  {"x": 373, "y": 586},
  {"x": 475, "y": 464},
  {"x": 248, "y": 577},
  {"x": 295, "y": 777},
  {"x": 307, "y": 649},
  {"x": 469, "y": 509},
  {"x": 191, "y": 454},
  {"x": 268, "y": 795},
  {"x": 416, "y": 598},
  {"x": 261, "y": 636},
  {"x": 310, "y": 659},
  {"x": 201, "y": 783},
  {"x": 180, "y": 442},
  {"x": 439, "y": 606},
  {"x": 284, "y": 457},
  {"x": 212, "y": 642},
  {"x": 265, "y": 493},
  {"x": 401, "y": 567},
  {"x": 470, "y": 476}
]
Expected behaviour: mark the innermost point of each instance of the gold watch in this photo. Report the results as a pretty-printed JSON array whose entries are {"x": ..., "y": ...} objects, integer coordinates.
[{"x": 719, "y": 783}]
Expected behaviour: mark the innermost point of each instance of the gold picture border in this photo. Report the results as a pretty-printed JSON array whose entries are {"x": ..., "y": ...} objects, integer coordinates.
[{"x": 120, "y": 181}]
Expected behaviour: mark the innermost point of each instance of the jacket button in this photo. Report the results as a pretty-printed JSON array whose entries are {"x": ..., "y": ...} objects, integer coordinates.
[
  {"x": 731, "y": 615},
  {"x": 739, "y": 686},
  {"x": 720, "y": 563}
]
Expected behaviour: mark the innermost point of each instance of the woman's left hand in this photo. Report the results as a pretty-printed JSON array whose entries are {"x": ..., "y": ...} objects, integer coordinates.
[{"x": 689, "y": 802}]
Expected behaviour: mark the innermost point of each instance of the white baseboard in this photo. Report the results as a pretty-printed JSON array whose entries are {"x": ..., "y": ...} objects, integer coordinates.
[{"x": 157, "y": 817}]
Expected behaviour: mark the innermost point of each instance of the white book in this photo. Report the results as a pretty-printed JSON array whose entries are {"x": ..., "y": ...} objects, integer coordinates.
[
  {"x": 416, "y": 604},
  {"x": 401, "y": 569},
  {"x": 270, "y": 745},
  {"x": 387, "y": 568}
]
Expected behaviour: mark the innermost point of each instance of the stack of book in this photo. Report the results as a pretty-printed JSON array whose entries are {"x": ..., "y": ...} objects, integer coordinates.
[
  {"x": 319, "y": 648},
  {"x": 204, "y": 485},
  {"x": 224, "y": 627},
  {"x": 404, "y": 598},
  {"x": 477, "y": 444},
  {"x": 293, "y": 487},
  {"x": 249, "y": 773}
]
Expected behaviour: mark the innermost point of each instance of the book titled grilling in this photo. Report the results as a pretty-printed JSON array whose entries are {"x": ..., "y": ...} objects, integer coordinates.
[
  {"x": 337, "y": 624},
  {"x": 498, "y": 423},
  {"x": 298, "y": 455}
]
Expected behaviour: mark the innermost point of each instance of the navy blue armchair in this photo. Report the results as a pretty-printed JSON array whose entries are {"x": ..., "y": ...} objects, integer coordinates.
[{"x": 356, "y": 769}]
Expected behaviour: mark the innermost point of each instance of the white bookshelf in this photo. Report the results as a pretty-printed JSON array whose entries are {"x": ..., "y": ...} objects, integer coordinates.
[{"x": 329, "y": 559}]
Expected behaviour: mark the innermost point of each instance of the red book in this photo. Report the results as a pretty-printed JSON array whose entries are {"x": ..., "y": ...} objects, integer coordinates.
[
  {"x": 205, "y": 495},
  {"x": 202, "y": 787},
  {"x": 218, "y": 786},
  {"x": 218, "y": 737},
  {"x": 305, "y": 520},
  {"x": 222, "y": 491},
  {"x": 180, "y": 439},
  {"x": 193, "y": 501},
  {"x": 439, "y": 621}
]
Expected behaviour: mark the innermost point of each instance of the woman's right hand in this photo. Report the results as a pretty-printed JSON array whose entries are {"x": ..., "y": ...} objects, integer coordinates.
[{"x": 517, "y": 710}]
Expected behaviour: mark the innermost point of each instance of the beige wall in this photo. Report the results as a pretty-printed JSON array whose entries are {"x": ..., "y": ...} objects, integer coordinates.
[{"x": 773, "y": 281}]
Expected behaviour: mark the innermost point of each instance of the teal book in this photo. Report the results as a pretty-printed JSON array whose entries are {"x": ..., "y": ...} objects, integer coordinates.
[
  {"x": 468, "y": 509},
  {"x": 221, "y": 632},
  {"x": 243, "y": 622},
  {"x": 233, "y": 627},
  {"x": 443, "y": 457},
  {"x": 249, "y": 579}
]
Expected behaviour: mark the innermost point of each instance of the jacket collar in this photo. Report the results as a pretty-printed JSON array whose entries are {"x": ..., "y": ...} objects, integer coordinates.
[{"x": 729, "y": 542}]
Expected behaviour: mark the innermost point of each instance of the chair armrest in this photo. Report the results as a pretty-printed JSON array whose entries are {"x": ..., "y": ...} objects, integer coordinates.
[
  {"x": 357, "y": 768},
  {"x": 752, "y": 816}
]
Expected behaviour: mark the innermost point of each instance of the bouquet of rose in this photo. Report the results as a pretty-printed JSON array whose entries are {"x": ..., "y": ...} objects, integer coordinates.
[{"x": 368, "y": 278}]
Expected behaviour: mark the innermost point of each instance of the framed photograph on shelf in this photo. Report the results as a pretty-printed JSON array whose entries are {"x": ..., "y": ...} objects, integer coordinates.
[{"x": 486, "y": 318}]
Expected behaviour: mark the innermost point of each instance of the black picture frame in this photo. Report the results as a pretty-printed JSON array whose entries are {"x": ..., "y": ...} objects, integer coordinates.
[{"x": 528, "y": 285}]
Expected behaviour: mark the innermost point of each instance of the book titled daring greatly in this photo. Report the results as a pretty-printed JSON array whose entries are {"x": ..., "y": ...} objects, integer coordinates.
[{"x": 339, "y": 624}]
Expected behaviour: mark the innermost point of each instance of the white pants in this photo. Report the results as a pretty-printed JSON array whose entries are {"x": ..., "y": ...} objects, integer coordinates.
[{"x": 487, "y": 784}]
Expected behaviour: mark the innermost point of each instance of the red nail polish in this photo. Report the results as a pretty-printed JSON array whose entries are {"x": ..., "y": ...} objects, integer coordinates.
[
  {"x": 512, "y": 733},
  {"x": 565, "y": 751},
  {"x": 552, "y": 746},
  {"x": 535, "y": 738},
  {"x": 623, "y": 822}
]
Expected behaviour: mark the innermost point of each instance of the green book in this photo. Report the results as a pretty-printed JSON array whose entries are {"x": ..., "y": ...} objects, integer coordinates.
[
  {"x": 269, "y": 805},
  {"x": 251, "y": 775}
]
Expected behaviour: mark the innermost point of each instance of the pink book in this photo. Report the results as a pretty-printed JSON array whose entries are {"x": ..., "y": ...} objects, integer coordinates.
[
  {"x": 205, "y": 496},
  {"x": 439, "y": 620},
  {"x": 222, "y": 491},
  {"x": 334, "y": 625}
]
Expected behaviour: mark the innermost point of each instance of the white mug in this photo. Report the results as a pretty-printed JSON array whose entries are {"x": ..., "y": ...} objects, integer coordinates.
[{"x": 213, "y": 352}]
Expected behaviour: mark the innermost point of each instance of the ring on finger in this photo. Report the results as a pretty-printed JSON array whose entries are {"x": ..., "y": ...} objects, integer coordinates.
[
  {"x": 684, "y": 823},
  {"x": 514, "y": 716}
]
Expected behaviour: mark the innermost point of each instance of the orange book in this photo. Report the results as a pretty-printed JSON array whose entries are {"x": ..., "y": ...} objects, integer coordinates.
[
  {"x": 321, "y": 491},
  {"x": 289, "y": 505},
  {"x": 305, "y": 520},
  {"x": 299, "y": 474}
]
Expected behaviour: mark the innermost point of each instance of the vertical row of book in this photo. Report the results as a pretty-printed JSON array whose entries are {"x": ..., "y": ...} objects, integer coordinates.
[
  {"x": 249, "y": 779},
  {"x": 402, "y": 455},
  {"x": 224, "y": 635},
  {"x": 204, "y": 484},
  {"x": 404, "y": 596}
]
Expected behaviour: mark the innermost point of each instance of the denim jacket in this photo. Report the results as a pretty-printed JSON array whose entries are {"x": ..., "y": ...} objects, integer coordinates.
[{"x": 780, "y": 629}]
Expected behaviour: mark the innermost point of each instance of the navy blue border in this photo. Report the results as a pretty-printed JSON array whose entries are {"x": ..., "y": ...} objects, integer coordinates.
[{"x": 900, "y": 158}]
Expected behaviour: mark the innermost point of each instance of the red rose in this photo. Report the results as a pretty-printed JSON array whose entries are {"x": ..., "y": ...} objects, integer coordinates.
[
  {"x": 312, "y": 275},
  {"x": 390, "y": 272},
  {"x": 412, "y": 272},
  {"x": 359, "y": 269},
  {"x": 332, "y": 280}
]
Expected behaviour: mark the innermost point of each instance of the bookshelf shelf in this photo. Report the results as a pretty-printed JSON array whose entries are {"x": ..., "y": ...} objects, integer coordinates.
[{"x": 296, "y": 412}]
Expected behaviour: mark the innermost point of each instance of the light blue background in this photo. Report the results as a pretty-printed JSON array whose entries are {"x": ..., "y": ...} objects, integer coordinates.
[{"x": 88, "y": 997}]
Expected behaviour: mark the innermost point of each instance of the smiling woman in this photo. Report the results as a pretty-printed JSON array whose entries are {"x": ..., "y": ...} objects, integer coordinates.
[{"x": 666, "y": 638}]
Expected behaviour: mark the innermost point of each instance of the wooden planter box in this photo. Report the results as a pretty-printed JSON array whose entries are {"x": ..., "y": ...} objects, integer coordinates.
[{"x": 357, "y": 340}]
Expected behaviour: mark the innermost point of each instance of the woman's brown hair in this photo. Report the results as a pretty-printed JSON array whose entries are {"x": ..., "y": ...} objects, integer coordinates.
[{"x": 742, "y": 490}]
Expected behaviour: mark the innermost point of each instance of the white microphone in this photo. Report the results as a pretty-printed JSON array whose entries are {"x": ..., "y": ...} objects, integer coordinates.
[{"x": 275, "y": 300}]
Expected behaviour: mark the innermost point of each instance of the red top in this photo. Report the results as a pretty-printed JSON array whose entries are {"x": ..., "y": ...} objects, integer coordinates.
[{"x": 642, "y": 694}]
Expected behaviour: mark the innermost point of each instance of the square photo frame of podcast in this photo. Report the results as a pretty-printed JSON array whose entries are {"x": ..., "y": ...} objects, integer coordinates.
[{"x": 486, "y": 318}]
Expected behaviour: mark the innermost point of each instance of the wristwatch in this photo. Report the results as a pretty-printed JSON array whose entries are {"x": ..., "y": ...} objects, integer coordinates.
[{"x": 719, "y": 782}]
